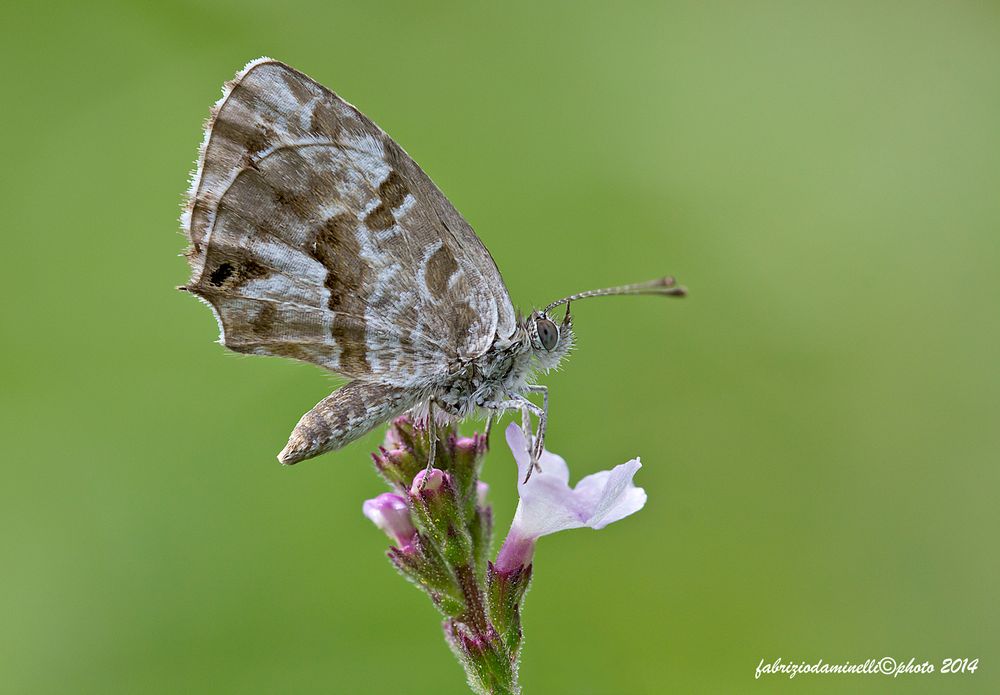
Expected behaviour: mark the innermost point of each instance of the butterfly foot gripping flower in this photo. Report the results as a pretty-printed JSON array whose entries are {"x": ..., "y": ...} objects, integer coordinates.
[{"x": 441, "y": 524}]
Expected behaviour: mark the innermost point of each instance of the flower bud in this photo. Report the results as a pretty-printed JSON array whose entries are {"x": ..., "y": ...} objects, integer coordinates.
[
  {"x": 439, "y": 515},
  {"x": 397, "y": 466},
  {"x": 399, "y": 434},
  {"x": 428, "y": 480},
  {"x": 466, "y": 458},
  {"x": 391, "y": 514},
  {"x": 470, "y": 447}
]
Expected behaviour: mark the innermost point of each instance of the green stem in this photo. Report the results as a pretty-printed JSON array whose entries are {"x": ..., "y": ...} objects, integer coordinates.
[{"x": 489, "y": 666}]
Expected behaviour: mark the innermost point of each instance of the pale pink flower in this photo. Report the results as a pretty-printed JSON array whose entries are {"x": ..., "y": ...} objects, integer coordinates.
[
  {"x": 548, "y": 504},
  {"x": 390, "y": 513}
]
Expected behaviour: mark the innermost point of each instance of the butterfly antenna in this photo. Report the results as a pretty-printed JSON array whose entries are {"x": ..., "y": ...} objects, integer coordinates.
[{"x": 665, "y": 287}]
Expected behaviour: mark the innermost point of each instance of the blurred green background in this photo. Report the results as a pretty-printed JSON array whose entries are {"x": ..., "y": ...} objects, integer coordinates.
[{"x": 818, "y": 421}]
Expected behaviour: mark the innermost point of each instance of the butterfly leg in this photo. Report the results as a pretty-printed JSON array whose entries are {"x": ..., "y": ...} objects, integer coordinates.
[
  {"x": 432, "y": 435},
  {"x": 432, "y": 429},
  {"x": 528, "y": 435},
  {"x": 527, "y": 408},
  {"x": 489, "y": 426},
  {"x": 543, "y": 420}
]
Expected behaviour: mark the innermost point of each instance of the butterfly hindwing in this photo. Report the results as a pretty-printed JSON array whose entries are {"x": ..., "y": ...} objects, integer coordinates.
[
  {"x": 343, "y": 416},
  {"x": 315, "y": 236}
]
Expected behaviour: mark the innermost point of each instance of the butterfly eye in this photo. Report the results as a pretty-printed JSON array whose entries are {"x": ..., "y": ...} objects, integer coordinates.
[{"x": 547, "y": 333}]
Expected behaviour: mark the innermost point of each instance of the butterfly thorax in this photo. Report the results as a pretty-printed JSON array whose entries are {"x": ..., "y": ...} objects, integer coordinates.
[
  {"x": 503, "y": 371},
  {"x": 490, "y": 378}
]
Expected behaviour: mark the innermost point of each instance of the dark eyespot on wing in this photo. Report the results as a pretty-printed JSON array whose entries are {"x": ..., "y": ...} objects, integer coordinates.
[
  {"x": 236, "y": 270},
  {"x": 221, "y": 274}
]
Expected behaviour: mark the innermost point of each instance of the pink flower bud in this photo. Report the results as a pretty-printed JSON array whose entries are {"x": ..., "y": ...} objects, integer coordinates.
[
  {"x": 481, "y": 490},
  {"x": 390, "y": 513},
  {"x": 394, "y": 437},
  {"x": 428, "y": 481},
  {"x": 466, "y": 444}
]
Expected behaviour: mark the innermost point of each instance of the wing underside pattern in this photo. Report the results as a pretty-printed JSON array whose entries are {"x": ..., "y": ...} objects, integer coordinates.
[{"x": 315, "y": 236}]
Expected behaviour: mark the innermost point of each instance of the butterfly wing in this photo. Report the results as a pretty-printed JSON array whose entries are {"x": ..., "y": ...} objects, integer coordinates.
[
  {"x": 346, "y": 414},
  {"x": 315, "y": 236}
]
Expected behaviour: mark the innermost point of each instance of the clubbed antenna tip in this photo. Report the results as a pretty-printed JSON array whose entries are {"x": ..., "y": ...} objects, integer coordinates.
[{"x": 666, "y": 287}]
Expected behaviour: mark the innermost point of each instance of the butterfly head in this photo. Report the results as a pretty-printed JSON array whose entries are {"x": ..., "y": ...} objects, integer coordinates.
[{"x": 549, "y": 341}]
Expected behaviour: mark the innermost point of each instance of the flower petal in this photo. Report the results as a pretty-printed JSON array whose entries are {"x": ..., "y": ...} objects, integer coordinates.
[
  {"x": 610, "y": 495},
  {"x": 552, "y": 464},
  {"x": 548, "y": 504}
]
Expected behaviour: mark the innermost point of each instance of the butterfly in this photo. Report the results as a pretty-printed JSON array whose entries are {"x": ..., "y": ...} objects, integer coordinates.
[{"x": 314, "y": 236}]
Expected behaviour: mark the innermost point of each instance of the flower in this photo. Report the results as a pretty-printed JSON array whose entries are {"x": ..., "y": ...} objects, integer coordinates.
[
  {"x": 548, "y": 504},
  {"x": 391, "y": 514}
]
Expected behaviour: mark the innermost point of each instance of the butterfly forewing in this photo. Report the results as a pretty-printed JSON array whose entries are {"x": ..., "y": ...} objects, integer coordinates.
[{"x": 315, "y": 236}]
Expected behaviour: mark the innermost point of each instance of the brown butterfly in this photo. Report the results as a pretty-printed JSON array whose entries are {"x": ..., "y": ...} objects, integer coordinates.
[{"x": 315, "y": 236}]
